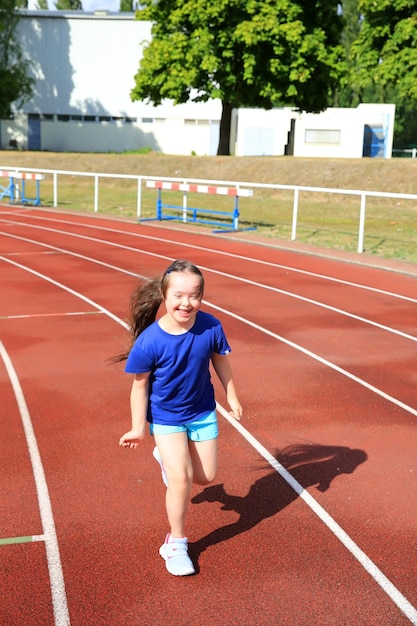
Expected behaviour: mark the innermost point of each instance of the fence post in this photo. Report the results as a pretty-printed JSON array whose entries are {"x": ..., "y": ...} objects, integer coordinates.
[
  {"x": 55, "y": 177},
  {"x": 184, "y": 204},
  {"x": 139, "y": 203},
  {"x": 362, "y": 223},
  {"x": 294, "y": 215},
  {"x": 95, "y": 193}
]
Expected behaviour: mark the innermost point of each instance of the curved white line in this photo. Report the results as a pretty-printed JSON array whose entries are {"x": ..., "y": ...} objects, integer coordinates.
[
  {"x": 208, "y": 269},
  {"x": 218, "y": 252},
  {"x": 396, "y": 596},
  {"x": 59, "y": 599},
  {"x": 266, "y": 331}
]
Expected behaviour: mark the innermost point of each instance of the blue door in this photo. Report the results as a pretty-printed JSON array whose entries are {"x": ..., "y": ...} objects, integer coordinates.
[{"x": 34, "y": 136}]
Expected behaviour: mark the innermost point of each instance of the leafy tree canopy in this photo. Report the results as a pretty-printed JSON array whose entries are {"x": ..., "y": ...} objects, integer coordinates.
[
  {"x": 69, "y": 5},
  {"x": 386, "y": 49},
  {"x": 16, "y": 86},
  {"x": 128, "y": 5},
  {"x": 245, "y": 52}
]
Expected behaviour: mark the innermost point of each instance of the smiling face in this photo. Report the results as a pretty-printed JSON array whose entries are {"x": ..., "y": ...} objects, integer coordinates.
[{"x": 182, "y": 301}]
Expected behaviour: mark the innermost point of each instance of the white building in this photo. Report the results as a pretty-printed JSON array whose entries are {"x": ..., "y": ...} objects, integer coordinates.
[{"x": 84, "y": 66}]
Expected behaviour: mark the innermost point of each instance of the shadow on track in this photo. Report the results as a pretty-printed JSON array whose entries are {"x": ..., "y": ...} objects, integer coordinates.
[{"x": 310, "y": 464}]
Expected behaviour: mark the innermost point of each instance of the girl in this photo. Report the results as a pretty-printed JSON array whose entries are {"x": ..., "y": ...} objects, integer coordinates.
[{"x": 172, "y": 390}]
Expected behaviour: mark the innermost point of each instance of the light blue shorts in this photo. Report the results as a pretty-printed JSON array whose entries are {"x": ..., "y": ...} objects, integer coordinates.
[{"x": 201, "y": 429}]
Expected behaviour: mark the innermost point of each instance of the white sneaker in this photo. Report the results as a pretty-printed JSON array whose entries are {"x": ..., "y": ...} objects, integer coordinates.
[
  {"x": 157, "y": 457},
  {"x": 175, "y": 554}
]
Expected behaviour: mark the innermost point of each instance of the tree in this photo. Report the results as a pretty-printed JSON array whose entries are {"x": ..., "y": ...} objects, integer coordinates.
[
  {"x": 42, "y": 5},
  {"x": 245, "y": 52},
  {"x": 16, "y": 85},
  {"x": 69, "y": 5},
  {"x": 128, "y": 6},
  {"x": 21, "y": 4},
  {"x": 386, "y": 49},
  {"x": 348, "y": 95}
]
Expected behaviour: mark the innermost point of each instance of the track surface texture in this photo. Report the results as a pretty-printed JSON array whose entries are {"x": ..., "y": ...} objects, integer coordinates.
[{"x": 312, "y": 517}]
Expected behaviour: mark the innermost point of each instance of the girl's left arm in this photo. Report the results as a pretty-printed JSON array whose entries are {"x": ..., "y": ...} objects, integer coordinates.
[{"x": 223, "y": 369}]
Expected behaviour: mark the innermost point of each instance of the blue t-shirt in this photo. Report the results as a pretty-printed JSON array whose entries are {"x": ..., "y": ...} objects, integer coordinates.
[{"x": 180, "y": 383}]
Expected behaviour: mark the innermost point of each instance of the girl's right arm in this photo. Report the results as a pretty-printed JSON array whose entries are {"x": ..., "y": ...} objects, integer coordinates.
[{"x": 139, "y": 397}]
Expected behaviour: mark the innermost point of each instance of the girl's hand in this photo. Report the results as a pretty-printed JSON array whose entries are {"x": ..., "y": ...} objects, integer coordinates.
[
  {"x": 236, "y": 410},
  {"x": 131, "y": 439}
]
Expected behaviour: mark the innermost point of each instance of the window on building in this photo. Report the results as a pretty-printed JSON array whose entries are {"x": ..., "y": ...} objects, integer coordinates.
[
  {"x": 190, "y": 122},
  {"x": 322, "y": 135}
]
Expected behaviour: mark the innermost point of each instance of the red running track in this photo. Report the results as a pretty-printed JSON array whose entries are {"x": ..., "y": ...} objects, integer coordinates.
[{"x": 312, "y": 518}]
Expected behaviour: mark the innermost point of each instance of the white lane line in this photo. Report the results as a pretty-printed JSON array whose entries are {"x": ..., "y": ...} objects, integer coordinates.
[
  {"x": 320, "y": 359},
  {"x": 379, "y": 577},
  {"x": 261, "y": 329},
  {"x": 33, "y": 315},
  {"x": 400, "y": 601},
  {"x": 289, "y": 294},
  {"x": 59, "y": 599},
  {"x": 213, "y": 250},
  {"x": 67, "y": 289}
]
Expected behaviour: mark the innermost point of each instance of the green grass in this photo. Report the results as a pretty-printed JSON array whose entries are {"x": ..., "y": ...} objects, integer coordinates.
[{"x": 329, "y": 220}]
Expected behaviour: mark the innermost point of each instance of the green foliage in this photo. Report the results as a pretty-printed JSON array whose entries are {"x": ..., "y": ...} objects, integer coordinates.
[
  {"x": 386, "y": 49},
  {"x": 69, "y": 5},
  {"x": 247, "y": 53},
  {"x": 16, "y": 86},
  {"x": 128, "y": 6},
  {"x": 42, "y": 5},
  {"x": 347, "y": 94},
  {"x": 21, "y": 4}
]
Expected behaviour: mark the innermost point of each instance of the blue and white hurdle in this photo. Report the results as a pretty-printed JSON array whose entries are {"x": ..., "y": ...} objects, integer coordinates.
[
  {"x": 188, "y": 214},
  {"x": 19, "y": 195}
]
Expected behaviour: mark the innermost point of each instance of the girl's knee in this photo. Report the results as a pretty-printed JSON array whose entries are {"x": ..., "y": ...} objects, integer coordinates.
[{"x": 204, "y": 479}]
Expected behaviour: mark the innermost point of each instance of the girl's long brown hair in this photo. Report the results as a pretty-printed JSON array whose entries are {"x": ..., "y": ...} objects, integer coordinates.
[{"x": 148, "y": 297}]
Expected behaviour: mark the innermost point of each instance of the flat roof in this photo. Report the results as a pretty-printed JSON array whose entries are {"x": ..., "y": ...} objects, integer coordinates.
[{"x": 79, "y": 15}]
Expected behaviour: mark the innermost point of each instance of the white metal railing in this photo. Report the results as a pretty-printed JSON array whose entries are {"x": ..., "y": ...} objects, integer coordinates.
[
  {"x": 412, "y": 151},
  {"x": 362, "y": 194}
]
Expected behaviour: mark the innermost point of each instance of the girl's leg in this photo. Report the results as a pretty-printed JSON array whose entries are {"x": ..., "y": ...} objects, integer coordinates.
[
  {"x": 204, "y": 459},
  {"x": 175, "y": 455}
]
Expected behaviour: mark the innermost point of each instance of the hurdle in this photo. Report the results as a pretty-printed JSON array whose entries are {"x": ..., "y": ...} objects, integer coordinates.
[
  {"x": 188, "y": 214},
  {"x": 13, "y": 192}
]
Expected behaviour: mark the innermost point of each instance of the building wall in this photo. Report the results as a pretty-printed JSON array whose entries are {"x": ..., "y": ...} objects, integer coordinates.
[{"x": 84, "y": 66}]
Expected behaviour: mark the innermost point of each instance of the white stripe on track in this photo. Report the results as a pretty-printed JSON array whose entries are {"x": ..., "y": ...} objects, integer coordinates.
[
  {"x": 320, "y": 359},
  {"x": 396, "y": 596},
  {"x": 213, "y": 271},
  {"x": 216, "y": 251},
  {"x": 59, "y": 599}
]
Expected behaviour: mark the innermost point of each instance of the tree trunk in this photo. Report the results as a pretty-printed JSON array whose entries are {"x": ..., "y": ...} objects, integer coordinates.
[{"x": 225, "y": 126}]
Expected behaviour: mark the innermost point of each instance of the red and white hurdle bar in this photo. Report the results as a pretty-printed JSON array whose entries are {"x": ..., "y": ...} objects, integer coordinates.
[
  {"x": 221, "y": 191},
  {"x": 191, "y": 214},
  {"x": 12, "y": 191}
]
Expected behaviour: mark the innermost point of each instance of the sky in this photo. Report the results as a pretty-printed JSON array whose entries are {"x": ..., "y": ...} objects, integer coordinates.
[{"x": 88, "y": 5}]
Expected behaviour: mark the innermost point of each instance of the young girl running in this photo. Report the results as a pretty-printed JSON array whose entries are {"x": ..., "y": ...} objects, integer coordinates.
[{"x": 172, "y": 390}]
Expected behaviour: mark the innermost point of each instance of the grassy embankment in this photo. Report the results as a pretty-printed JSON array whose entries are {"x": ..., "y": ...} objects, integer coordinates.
[{"x": 329, "y": 220}]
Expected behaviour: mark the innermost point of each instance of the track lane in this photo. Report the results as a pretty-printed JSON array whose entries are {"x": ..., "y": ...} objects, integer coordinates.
[{"x": 296, "y": 368}]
